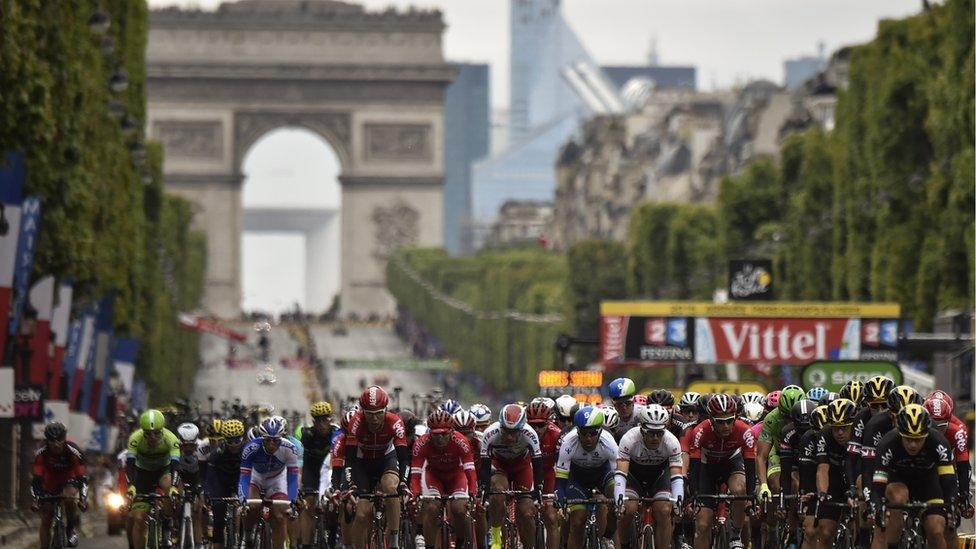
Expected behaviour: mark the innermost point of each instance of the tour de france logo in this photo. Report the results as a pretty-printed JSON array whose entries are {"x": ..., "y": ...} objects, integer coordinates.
[{"x": 751, "y": 280}]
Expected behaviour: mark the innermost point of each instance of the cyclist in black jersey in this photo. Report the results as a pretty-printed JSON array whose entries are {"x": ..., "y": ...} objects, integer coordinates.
[
  {"x": 807, "y": 464},
  {"x": 317, "y": 442},
  {"x": 879, "y": 425},
  {"x": 835, "y": 472},
  {"x": 914, "y": 464},
  {"x": 222, "y": 475}
]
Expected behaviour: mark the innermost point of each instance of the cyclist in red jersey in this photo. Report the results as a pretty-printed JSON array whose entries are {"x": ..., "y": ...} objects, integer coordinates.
[
  {"x": 722, "y": 451},
  {"x": 376, "y": 456},
  {"x": 940, "y": 407},
  {"x": 442, "y": 464},
  {"x": 59, "y": 469},
  {"x": 539, "y": 415}
]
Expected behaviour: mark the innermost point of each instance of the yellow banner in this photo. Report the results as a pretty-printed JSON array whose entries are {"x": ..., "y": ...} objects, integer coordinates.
[{"x": 768, "y": 309}]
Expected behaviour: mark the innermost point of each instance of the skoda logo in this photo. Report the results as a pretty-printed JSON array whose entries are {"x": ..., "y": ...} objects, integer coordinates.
[{"x": 818, "y": 377}]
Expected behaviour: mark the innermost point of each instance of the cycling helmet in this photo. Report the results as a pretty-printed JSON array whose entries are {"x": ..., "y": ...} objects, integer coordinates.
[
  {"x": 463, "y": 420},
  {"x": 751, "y": 396},
  {"x": 913, "y": 421},
  {"x": 271, "y": 428},
  {"x": 440, "y": 421},
  {"x": 753, "y": 411},
  {"x": 346, "y": 420},
  {"x": 816, "y": 393},
  {"x": 611, "y": 419},
  {"x": 481, "y": 413},
  {"x": 841, "y": 412},
  {"x": 662, "y": 397},
  {"x": 819, "y": 417},
  {"x": 538, "y": 412},
  {"x": 944, "y": 397},
  {"x": 853, "y": 390},
  {"x": 790, "y": 395},
  {"x": 622, "y": 387},
  {"x": 232, "y": 428},
  {"x": 152, "y": 420},
  {"x": 320, "y": 409},
  {"x": 512, "y": 417},
  {"x": 828, "y": 398},
  {"x": 55, "y": 431},
  {"x": 722, "y": 406},
  {"x": 588, "y": 417},
  {"x": 252, "y": 433},
  {"x": 877, "y": 388},
  {"x": 653, "y": 418},
  {"x": 374, "y": 399},
  {"x": 689, "y": 401},
  {"x": 640, "y": 400},
  {"x": 215, "y": 428},
  {"x": 938, "y": 409},
  {"x": 450, "y": 406},
  {"x": 802, "y": 411},
  {"x": 902, "y": 396},
  {"x": 187, "y": 432},
  {"x": 550, "y": 402},
  {"x": 564, "y": 406},
  {"x": 284, "y": 422},
  {"x": 772, "y": 400}
]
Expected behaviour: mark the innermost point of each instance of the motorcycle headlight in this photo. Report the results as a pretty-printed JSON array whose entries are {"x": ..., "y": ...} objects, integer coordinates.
[{"x": 114, "y": 500}]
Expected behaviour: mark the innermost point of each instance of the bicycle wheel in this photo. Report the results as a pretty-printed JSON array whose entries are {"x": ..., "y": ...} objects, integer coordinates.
[
  {"x": 152, "y": 534},
  {"x": 720, "y": 538},
  {"x": 592, "y": 537},
  {"x": 540, "y": 533},
  {"x": 186, "y": 534},
  {"x": 59, "y": 535},
  {"x": 647, "y": 537}
]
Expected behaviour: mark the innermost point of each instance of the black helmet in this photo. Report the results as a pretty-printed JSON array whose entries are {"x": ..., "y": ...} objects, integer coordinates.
[
  {"x": 662, "y": 397},
  {"x": 841, "y": 412},
  {"x": 902, "y": 396},
  {"x": 877, "y": 388},
  {"x": 854, "y": 391},
  {"x": 55, "y": 431},
  {"x": 802, "y": 412}
]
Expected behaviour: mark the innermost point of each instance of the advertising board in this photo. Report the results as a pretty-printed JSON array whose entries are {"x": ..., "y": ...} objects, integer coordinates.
[{"x": 833, "y": 374}]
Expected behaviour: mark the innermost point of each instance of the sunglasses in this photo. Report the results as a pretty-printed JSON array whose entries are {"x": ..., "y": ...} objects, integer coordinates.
[
  {"x": 589, "y": 432},
  {"x": 878, "y": 405},
  {"x": 725, "y": 421},
  {"x": 652, "y": 433},
  {"x": 234, "y": 441}
]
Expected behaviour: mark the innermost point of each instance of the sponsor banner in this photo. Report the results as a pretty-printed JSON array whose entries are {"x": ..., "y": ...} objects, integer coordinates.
[
  {"x": 6, "y": 392},
  {"x": 205, "y": 325},
  {"x": 775, "y": 340},
  {"x": 54, "y": 410},
  {"x": 29, "y": 402},
  {"x": 750, "y": 279},
  {"x": 725, "y": 387},
  {"x": 772, "y": 309},
  {"x": 30, "y": 223},
  {"x": 646, "y": 339},
  {"x": 832, "y": 375}
]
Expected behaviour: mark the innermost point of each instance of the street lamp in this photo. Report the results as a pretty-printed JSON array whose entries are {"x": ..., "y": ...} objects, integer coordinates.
[
  {"x": 107, "y": 45},
  {"x": 129, "y": 125},
  {"x": 138, "y": 150},
  {"x": 119, "y": 82},
  {"x": 116, "y": 109},
  {"x": 99, "y": 21}
]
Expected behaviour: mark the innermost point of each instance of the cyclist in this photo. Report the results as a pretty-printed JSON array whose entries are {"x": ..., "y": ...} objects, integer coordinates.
[
  {"x": 464, "y": 423},
  {"x": 223, "y": 474},
  {"x": 649, "y": 466},
  {"x": 611, "y": 419},
  {"x": 816, "y": 393},
  {"x": 192, "y": 471},
  {"x": 939, "y": 408},
  {"x": 876, "y": 401},
  {"x": 752, "y": 413},
  {"x": 450, "y": 406},
  {"x": 59, "y": 469},
  {"x": 914, "y": 464},
  {"x": 443, "y": 464},
  {"x": 150, "y": 465},
  {"x": 835, "y": 472},
  {"x": 722, "y": 451},
  {"x": 539, "y": 416},
  {"x": 853, "y": 390},
  {"x": 662, "y": 397},
  {"x": 807, "y": 464},
  {"x": 269, "y": 470},
  {"x": 689, "y": 410},
  {"x": 337, "y": 476},
  {"x": 512, "y": 460},
  {"x": 316, "y": 441},
  {"x": 622, "y": 391},
  {"x": 565, "y": 408},
  {"x": 882, "y": 424},
  {"x": 482, "y": 417},
  {"x": 767, "y": 462},
  {"x": 587, "y": 461},
  {"x": 376, "y": 456}
]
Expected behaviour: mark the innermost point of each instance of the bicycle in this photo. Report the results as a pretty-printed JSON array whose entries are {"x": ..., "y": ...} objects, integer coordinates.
[
  {"x": 591, "y": 536},
  {"x": 59, "y": 529},
  {"x": 720, "y": 525},
  {"x": 188, "y": 498},
  {"x": 232, "y": 516},
  {"x": 445, "y": 532},
  {"x": 912, "y": 533},
  {"x": 845, "y": 536},
  {"x": 783, "y": 531},
  {"x": 642, "y": 534},
  {"x": 377, "y": 529},
  {"x": 154, "y": 529},
  {"x": 260, "y": 535},
  {"x": 510, "y": 534}
]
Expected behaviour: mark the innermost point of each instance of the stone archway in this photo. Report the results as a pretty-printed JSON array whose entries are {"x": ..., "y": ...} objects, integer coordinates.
[{"x": 370, "y": 84}]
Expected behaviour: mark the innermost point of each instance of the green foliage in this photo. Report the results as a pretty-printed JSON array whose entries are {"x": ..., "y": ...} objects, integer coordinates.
[
  {"x": 496, "y": 313},
  {"x": 100, "y": 223}
]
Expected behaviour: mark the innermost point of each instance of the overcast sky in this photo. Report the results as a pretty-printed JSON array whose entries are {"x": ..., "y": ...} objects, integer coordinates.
[{"x": 729, "y": 41}]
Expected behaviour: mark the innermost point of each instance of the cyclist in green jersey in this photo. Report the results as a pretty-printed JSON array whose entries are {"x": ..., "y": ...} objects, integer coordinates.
[
  {"x": 150, "y": 464},
  {"x": 769, "y": 437}
]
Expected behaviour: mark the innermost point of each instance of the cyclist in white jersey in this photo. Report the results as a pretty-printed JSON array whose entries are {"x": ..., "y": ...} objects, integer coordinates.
[
  {"x": 586, "y": 462},
  {"x": 649, "y": 466}
]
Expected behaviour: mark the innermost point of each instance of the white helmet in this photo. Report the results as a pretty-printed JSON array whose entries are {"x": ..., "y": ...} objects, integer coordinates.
[
  {"x": 481, "y": 413},
  {"x": 187, "y": 432},
  {"x": 753, "y": 411},
  {"x": 548, "y": 401},
  {"x": 753, "y": 396},
  {"x": 565, "y": 405},
  {"x": 653, "y": 417},
  {"x": 611, "y": 419}
]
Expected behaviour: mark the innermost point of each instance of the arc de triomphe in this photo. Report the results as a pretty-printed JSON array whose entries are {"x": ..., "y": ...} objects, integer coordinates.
[{"x": 369, "y": 83}]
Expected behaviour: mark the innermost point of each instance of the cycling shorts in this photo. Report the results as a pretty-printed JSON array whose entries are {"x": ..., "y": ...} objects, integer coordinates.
[
  {"x": 517, "y": 471},
  {"x": 712, "y": 475},
  {"x": 273, "y": 486},
  {"x": 837, "y": 490},
  {"x": 582, "y": 485},
  {"x": 922, "y": 486},
  {"x": 367, "y": 472},
  {"x": 453, "y": 484},
  {"x": 147, "y": 480},
  {"x": 774, "y": 465},
  {"x": 648, "y": 481}
]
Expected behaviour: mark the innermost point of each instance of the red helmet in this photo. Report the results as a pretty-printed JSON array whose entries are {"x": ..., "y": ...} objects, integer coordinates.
[
  {"x": 944, "y": 397},
  {"x": 538, "y": 412},
  {"x": 640, "y": 400},
  {"x": 939, "y": 409},
  {"x": 722, "y": 406},
  {"x": 374, "y": 398},
  {"x": 440, "y": 421}
]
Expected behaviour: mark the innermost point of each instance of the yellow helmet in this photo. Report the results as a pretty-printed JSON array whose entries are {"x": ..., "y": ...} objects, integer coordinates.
[
  {"x": 853, "y": 390},
  {"x": 215, "y": 425},
  {"x": 819, "y": 417},
  {"x": 321, "y": 408},
  {"x": 232, "y": 428},
  {"x": 902, "y": 396},
  {"x": 913, "y": 421},
  {"x": 841, "y": 412},
  {"x": 877, "y": 388}
]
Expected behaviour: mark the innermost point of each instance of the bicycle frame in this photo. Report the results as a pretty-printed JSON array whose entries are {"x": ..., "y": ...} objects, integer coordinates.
[
  {"x": 446, "y": 530},
  {"x": 231, "y": 521},
  {"x": 591, "y": 536},
  {"x": 720, "y": 526},
  {"x": 510, "y": 535},
  {"x": 377, "y": 533},
  {"x": 643, "y": 527},
  {"x": 912, "y": 532},
  {"x": 260, "y": 534},
  {"x": 154, "y": 533},
  {"x": 59, "y": 530}
]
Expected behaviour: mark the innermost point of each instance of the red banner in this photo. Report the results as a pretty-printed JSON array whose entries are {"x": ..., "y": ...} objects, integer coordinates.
[
  {"x": 775, "y": 340},
  {"x": 209, "y": 326}
]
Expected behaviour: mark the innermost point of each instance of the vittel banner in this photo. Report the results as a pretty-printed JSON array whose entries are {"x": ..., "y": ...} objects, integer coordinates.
[{"x": 750, "y": 334}]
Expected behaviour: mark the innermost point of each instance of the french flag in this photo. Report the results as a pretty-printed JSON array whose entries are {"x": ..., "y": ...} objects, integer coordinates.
[{"x": 42, "y": 299}]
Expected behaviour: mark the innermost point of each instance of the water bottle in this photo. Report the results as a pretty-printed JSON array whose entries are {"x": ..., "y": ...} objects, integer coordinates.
[{"x": 208, "y": 532}]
